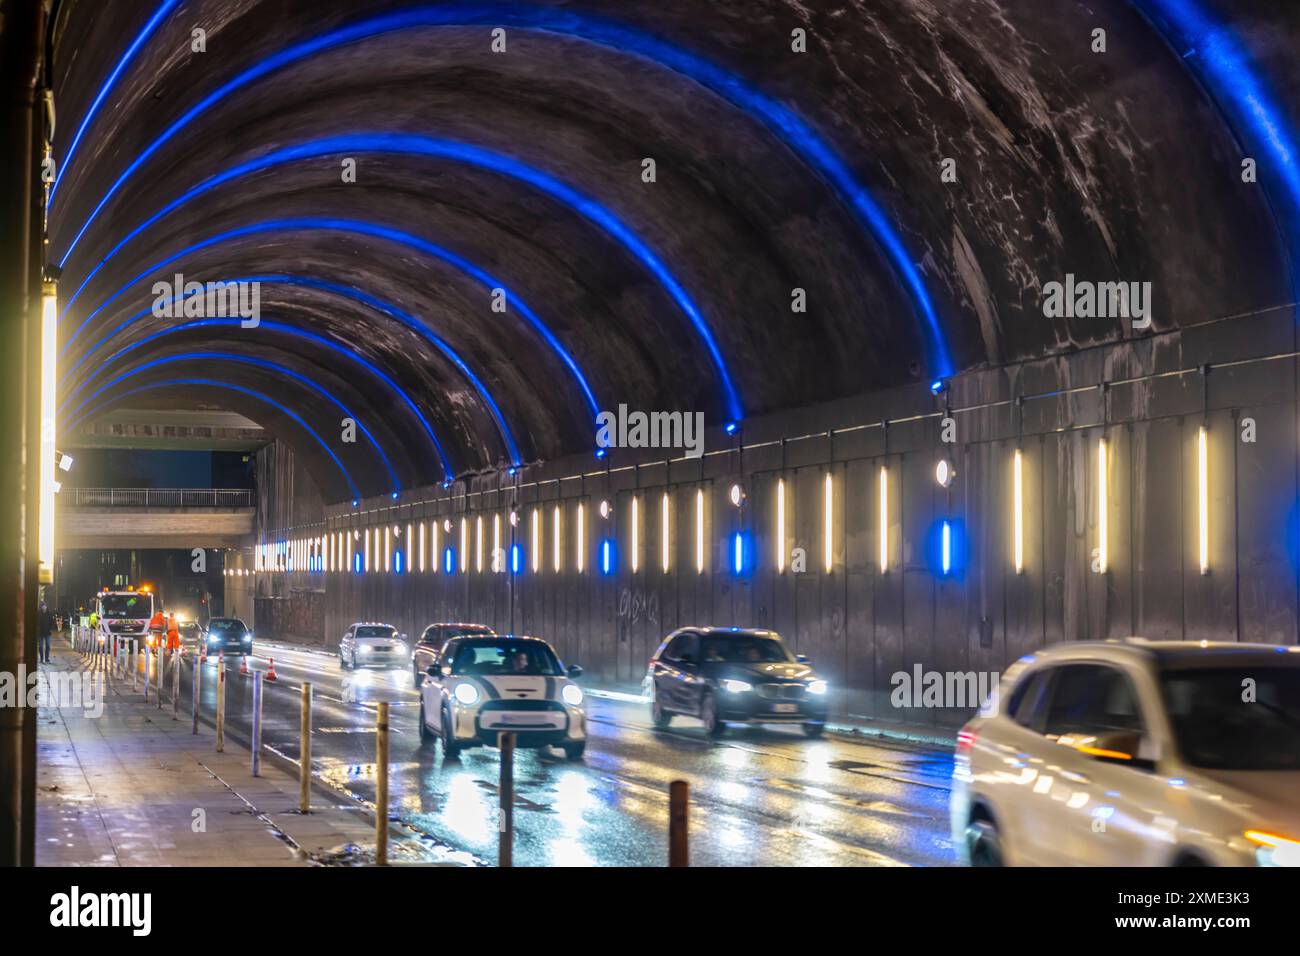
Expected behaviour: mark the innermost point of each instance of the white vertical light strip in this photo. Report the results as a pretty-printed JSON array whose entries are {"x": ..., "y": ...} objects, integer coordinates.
[
  {"x": 350, "y": 550},
  {"x": 388, "y": 549},
  {"x": 1018, "y": 511},
  {"x": 828, "y": 530},
  {"x": 408, "y": 548},
  {"x": 498, "y": 560},
  {"x": 580, "y": 543},
  {"x": 556, "y": 558},
  {"x": 1103, "y": 507},
  {"x": 665, "y": 544},
  {"x": 478, "y": 544},
  {"x": 883, "y": 531},
  {"x": 421, "y": 547},
  {"x": 779, "y": 537},
  {"x": 636, "y": 534},
  {"x": 1203, "y": 497},
  {"x": 366, "y": 554},
  {"x": 464, "y": 545},
  {"x": 435, "y": 560},
  {"x": 537, "y": 540},
  {"x": 699, "y": 530}
]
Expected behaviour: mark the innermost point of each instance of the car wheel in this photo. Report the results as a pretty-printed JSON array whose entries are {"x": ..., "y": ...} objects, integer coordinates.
[
  {"x": 709, "y": 714},
  {"x": 814, "y": 728},
  {"x": 983, "y": 846},
  {"x": 426, "y": 737},
  {"x": 661, "y": 717},
  {"x": 575, "y": 751},
  {"x": 450, "y": 749}
]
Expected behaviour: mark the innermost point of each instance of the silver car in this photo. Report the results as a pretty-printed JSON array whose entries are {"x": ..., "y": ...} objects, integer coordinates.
[
  {"x": 1135, "y": 753},
  {"x": 372, "y": 644}
]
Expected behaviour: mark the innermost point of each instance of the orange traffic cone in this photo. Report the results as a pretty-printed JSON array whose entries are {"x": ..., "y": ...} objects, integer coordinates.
[
  {"x": 270, "y": 669},
  {"x": 243, "y": 665}
]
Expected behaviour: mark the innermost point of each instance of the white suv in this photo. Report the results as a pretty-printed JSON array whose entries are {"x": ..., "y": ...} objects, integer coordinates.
[
  {"x": 1135, "y": 753},
  {"x": 373, "y": 645}
]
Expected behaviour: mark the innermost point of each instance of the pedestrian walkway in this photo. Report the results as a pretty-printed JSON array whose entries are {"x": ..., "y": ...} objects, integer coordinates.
[{"x": 122, "y": 783}]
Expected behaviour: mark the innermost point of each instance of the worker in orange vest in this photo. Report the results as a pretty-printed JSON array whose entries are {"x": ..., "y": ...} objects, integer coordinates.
[
  {"x": 173, "y": 633},
  {"x": 157, "y": 625}
]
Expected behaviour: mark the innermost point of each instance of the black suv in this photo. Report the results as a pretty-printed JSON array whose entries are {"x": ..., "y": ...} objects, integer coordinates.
[{"x": 732, "y": 675}]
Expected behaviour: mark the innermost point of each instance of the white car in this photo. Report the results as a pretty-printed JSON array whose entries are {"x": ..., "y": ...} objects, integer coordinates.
[
  {"x": 1135, "y": 753},
  {"x": 483, "y": 685},
  {"x": 371, "y": 644}
]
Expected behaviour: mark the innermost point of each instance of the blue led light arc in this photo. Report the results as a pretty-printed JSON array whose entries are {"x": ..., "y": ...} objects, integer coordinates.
[
  {"x": 507, "y": 436},
  {"x": 414, "y": 145},
  {"x": 251, "y": 393},
  {"x": 1213, "y": 52},
  {"x": 147, "y": 31},
  {"x": 300, "y": 333},
  {"x": 259, "y": 363},
  {"x": 783, "y": 122}
]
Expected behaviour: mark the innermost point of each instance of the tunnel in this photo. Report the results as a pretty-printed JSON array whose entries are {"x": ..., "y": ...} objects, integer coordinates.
[{"x": 925, "y": 334}]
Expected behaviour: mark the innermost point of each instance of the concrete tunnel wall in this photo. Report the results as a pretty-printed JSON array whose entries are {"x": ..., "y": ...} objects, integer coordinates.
[{"x": 858, "y": 625}]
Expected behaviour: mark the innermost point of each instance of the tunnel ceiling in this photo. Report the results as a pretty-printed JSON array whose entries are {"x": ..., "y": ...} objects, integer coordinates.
[{"x": 522, "y": 171}]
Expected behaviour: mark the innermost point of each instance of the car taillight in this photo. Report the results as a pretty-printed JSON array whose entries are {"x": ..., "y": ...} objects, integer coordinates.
[{"x": 965, "y": 742}]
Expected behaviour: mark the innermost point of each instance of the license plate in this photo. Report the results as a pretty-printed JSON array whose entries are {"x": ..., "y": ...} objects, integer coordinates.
[
  {"x": 520, "y": 719},
  {"x": 785, "y": 708}
]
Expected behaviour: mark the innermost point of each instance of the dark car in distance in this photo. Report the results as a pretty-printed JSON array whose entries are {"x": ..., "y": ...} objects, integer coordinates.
[
  {"x": 728, "y": 675},
  {"x": 431, "y": 642},
  {"x": 228, "y": 634}
]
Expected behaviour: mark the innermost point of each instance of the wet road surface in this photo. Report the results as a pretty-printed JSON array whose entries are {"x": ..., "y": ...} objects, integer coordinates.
[{"x": 759, "y": 797}]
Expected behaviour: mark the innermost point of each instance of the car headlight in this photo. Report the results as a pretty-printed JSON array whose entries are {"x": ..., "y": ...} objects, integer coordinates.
[
  {"x": 248, "y": 637},
  {"x": 572, "y": 694},
  {"x": 1274, "y": 850},
  {"x": 817, "y": 687},
  {"x": 736, "y": 686},
  {"x": 467, "y": 694}
]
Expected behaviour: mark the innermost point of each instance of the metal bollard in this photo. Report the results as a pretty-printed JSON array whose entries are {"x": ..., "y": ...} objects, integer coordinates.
[
  {"x": 381, "y": 785},
  {"x": 678, "y": 823},
  {"x": 194, "y": 695},
  {"x": 221, "y": 707},
  {"x": 176, "y": 683},
  {"x": 506, "y": 836},
  {"x": 160, "y": 666},
  {"x": 147, "y": 675},
  {"x": 257, "y": 723},
  {"x": 304, "y": 751},
  {"x": 135, "y": 665}
]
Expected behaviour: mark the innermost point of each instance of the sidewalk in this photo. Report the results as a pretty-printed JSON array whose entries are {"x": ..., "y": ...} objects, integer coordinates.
[{"x": 133, "y": 787}]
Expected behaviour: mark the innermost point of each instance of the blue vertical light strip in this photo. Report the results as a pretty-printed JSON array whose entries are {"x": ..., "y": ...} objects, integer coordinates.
[
  {"x": 607, "y": 557},
  {"x": 1218, "y": 58},
  {"x": 449, "y": 561},
  {"x": 251, "y": 393},
  {"x": 397, "y": 561},
  {"x": 945, "y": 559},
  {"x": 516, "y": 559},
  {"x": 738, "y": 552},
  {"x": 356, "y": 562},
  {"x": 147, "y": 31}
]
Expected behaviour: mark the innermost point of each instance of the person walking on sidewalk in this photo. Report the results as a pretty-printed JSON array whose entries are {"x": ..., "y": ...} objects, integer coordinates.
[{"x": 45, "y": 630}]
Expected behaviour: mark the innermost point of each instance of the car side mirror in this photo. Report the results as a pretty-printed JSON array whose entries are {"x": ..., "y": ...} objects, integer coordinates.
[
  {"x": 402, "y": 636},
  {"x": 803, "y": 658},
  {"x": 575, "y": 671},
  {"x": 431, "y": 670},
  {"x": 1126, "y": 747},
  {"x": 445, "y": 670}
]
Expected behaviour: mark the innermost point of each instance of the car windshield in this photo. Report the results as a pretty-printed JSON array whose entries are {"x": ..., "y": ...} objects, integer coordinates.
[
  {"x": 745, "y": 649},
  {"x": 226, "y": 624},
  {"x": 127, "y": 605},
  {"x": 503, "y": 658},
  {"x": 375, "y": 630},
  {"x": 1239, "y": 718}
]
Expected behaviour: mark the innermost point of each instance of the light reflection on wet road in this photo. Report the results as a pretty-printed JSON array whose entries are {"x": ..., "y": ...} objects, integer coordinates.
[{"x": 759, "y": 797}]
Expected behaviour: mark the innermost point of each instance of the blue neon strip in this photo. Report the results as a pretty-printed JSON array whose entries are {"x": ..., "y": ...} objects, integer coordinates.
[
  {"x": 738, "y": 545},
  {"x": 259, "y": 363},
  {"x": 946, "y": 561},
  {"x": 287, "y": 330},
  {"x": 211, "y": 383},
  {"x": 106, "y": 87},
  {"x": 779, "y": 119},
  {"x": 1228, "y": 75},
  {"x": 507, "y": 436}
]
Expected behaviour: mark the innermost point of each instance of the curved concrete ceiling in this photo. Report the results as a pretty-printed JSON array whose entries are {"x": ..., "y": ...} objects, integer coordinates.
[{"x": 522, "y": 170}]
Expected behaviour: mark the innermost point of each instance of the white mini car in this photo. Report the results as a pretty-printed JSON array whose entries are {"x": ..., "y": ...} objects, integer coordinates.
[
  {"x": 1135, "y": 753},
  {"x": 482, "y": 685}
]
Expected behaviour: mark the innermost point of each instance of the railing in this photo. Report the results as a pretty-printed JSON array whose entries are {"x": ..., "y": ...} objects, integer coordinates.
[{"x": 159, "y": 497}]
